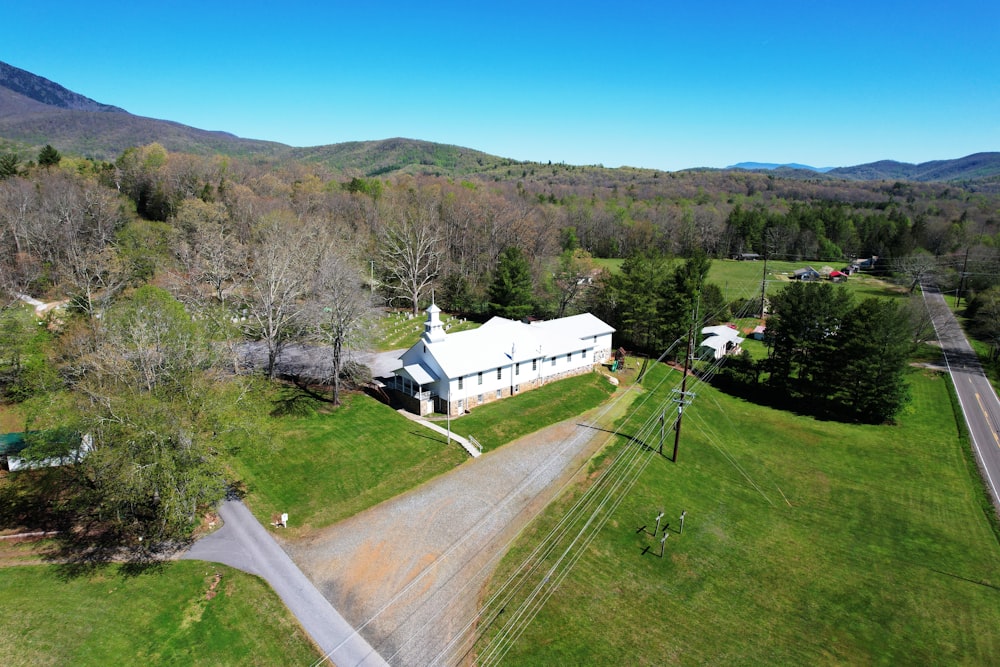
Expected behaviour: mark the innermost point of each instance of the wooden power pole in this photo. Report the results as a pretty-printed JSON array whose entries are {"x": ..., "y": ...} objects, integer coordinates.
[{"x": 683, "y": 400}]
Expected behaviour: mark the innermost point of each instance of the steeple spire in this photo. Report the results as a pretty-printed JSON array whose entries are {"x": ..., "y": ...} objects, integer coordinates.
[{"x": 433, "y": 328}]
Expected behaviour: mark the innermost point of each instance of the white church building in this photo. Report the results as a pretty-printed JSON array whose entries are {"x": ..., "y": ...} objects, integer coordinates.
[{"x": 453, "y": 373}]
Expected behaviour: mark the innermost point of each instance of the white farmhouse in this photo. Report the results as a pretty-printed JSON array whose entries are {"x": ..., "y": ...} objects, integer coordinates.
[
  {"x": 719, "y": 341},
  {"x": 452, "y": 373}
]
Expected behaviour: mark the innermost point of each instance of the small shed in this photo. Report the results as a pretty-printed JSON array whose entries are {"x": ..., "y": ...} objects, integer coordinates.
[
  {"x": 837, "y": 276},
  {"x": 806, "y": 273}
]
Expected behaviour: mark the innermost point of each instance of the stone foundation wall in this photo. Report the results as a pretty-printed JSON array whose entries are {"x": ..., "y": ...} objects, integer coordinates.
[{"x": 489, "y": 396}]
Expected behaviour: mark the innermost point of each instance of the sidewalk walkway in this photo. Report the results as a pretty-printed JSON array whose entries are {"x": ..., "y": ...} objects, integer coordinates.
[
  {"x": 469, "y": 447},
  {"x": 244, "y": 544}
]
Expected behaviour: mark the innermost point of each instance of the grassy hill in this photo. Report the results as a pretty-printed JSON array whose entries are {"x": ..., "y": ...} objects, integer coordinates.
[{"x": 805, "y": 542}]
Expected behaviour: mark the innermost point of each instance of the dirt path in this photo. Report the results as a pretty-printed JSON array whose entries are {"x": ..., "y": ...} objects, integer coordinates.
[{"x": 408, "y": 573}]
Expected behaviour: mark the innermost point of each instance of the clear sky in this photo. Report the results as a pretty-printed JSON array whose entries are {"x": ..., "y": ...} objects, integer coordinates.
[{"x": 661, "y": 84}]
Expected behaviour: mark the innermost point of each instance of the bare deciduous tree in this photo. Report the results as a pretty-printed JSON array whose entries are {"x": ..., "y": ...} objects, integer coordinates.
[
  {"x": 279, "y": 272},
  {"x": 209, "y": 252},
  {"x": 916, "y": 268},
  {"x": 409, "y": 249},
  {"x": 339, "y": 306},
  {"x": 572, "y": 277}
]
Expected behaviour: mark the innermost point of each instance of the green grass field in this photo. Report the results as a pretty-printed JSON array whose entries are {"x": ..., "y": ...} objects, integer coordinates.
[
  {"x": 741, "y": 280},
  {"x": 334, "y": 462},
  {"x": 185, "y": 613},
  {"x": 397, "y": 330},
  {"x": 500, "y": 422},
  {"x": 806, "y": 542},
  {"x": 331, "y": 463}
]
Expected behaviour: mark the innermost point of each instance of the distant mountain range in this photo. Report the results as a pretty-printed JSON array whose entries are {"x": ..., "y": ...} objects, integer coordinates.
[
  {"x": 969, "y": 168},
  {"x": 772, "y": 165},
  {"x": 35, "y": 111}
]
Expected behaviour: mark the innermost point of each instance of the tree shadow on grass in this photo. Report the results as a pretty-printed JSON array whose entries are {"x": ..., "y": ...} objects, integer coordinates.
[
  {"x": 296, "y": 401},
  {"x": 93, "y": 546},
  {"x": 78, "y": 541}
]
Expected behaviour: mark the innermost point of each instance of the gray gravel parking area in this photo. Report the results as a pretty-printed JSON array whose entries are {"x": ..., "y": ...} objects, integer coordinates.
[{"x": 408, "y": 573}]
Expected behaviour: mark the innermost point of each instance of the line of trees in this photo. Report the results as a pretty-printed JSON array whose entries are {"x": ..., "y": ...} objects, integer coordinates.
[{"x": 831, "y": 356}]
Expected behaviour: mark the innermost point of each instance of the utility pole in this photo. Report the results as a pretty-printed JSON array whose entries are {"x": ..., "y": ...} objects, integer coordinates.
[
  {"x": 683, "y": 399},
  {"x": 763, "y": 278},
  {"x": 961, "y": 279},
  {"x": 663, "y": 418},
  {"x": 763, "y": 287}
]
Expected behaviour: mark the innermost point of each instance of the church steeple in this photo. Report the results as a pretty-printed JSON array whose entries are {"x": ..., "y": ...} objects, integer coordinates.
[{"x": 433, "y": 329}]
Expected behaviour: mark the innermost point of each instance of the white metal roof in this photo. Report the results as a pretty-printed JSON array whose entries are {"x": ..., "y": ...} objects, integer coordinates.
[
  {"x": 579, "y": 326},
  {"x": 418, "y": 373},
  {"x": 723, "y": 331},
  {"x": 501, "y": 342}
]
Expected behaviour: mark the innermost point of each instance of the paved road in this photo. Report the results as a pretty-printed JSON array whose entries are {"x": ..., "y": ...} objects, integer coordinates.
[
  {"x": 244, "y": 544},
  {"x": 975, "y": 393},
  {"x": 314, "y": 361}
]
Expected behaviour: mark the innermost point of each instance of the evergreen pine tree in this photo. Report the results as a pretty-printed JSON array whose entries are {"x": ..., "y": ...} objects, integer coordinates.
[{"x": 511, "y": 292}]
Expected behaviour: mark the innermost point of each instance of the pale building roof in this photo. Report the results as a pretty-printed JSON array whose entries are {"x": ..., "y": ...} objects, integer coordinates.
[
  {"x": 418, "y": 373},
  {"x": 579, "y": 326},
  {"x": 501, "y": 342},
  {"x": 723, "y": 331}
]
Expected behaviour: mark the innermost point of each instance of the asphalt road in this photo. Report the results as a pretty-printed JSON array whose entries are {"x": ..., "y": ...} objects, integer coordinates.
[
  {"x": 244, "y": 544},
  {"x": 314, "y": 361},
  {"x": 975, "y": 393}
]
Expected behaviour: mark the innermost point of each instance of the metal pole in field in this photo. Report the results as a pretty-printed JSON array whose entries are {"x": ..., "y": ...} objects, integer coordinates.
[
  {"x": 763, "y": 285},
  {"x": 658, "y": 517},
  {"x": 663, "y": 418},
  {"x": 665, "y": 536},
  {"x": 683, "y": 514},
  {"x": 680, "y": 405}
]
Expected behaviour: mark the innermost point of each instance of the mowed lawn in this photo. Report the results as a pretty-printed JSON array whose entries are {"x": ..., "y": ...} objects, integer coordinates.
[
  {"x": 805, "y": 542},
  {"x": 335, "y": 462},
  {"x": 187, "y": 613},
  {"x": 741, "y": 280},
  {"x": 500, "y": 422}
]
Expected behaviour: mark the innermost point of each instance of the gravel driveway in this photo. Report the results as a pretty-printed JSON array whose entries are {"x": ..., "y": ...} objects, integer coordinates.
[{"x": 408, "y": 573}]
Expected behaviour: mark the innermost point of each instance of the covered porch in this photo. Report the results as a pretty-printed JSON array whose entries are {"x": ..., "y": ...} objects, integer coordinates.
[{"x": 412, "y": 384}]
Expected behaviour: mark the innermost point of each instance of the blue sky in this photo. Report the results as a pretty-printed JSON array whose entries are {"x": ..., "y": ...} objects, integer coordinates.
[{"x": 663, "y": 85}]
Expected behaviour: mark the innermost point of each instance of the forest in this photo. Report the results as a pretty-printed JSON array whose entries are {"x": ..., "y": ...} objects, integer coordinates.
[{"x": 171, "y": 266}]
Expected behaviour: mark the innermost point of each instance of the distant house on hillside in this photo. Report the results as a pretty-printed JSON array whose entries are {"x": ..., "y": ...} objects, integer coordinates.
[
  {"x": 719, "y": 341},
  {"x": 452, "y": 373},
  {"x": 806, "y": 273},
  {"x": 747, "y": 257}
]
